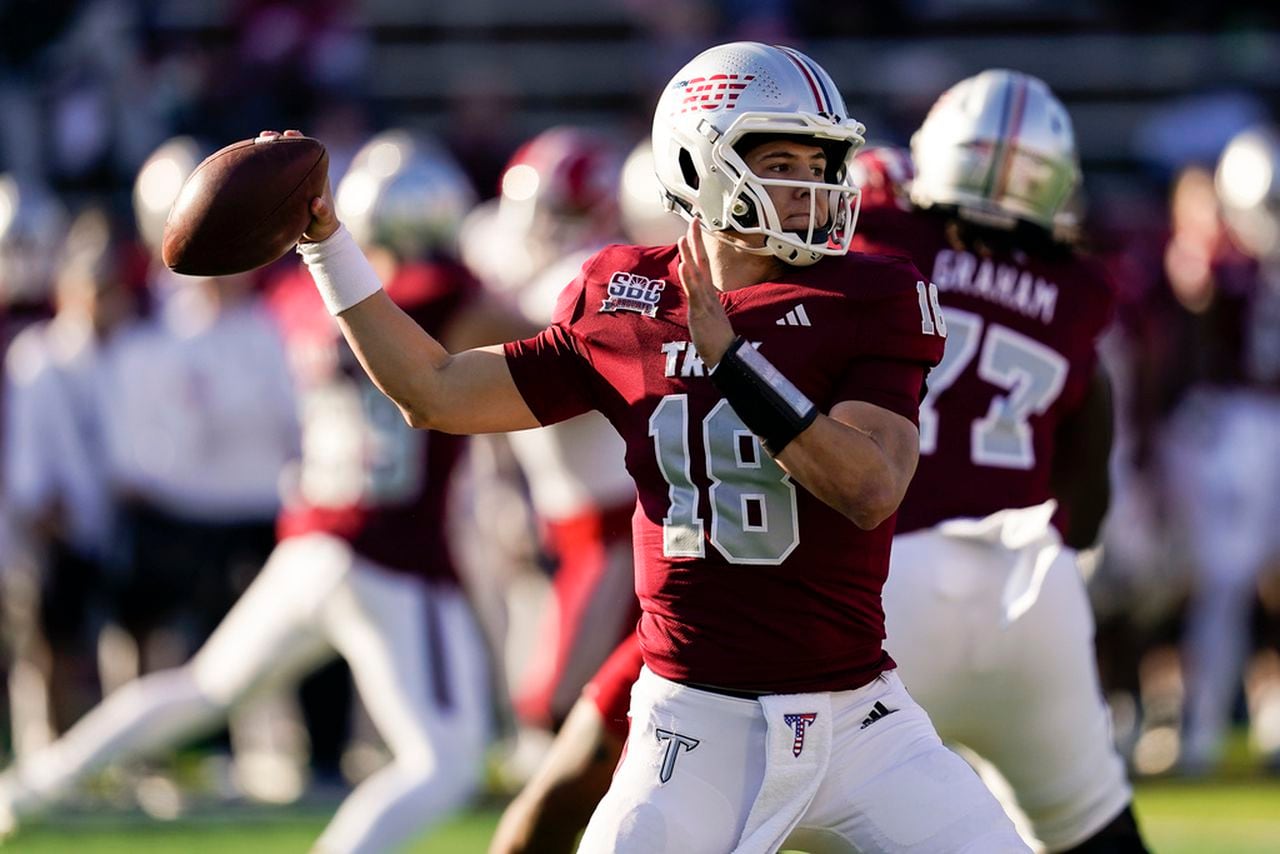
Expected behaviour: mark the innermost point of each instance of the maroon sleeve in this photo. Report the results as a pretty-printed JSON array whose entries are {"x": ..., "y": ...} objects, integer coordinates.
[
  {"x": 896, "y": 350},
  {"x": 549, "y": 369},
  {"x": 610, "y": 688},
  {"x": 894, "y": 385}
]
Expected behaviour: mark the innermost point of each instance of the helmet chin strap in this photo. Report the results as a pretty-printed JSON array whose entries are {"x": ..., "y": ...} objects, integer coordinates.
[{"x": 734, "y": 240}]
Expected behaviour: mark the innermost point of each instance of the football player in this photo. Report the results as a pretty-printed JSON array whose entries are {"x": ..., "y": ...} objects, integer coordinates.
[
  {"x": 1223, "y": 448},
  {"x": 362, "y": 569},
  {"x": 985, "y": 607},
  {"x": 57, "y": 498},
  {"x": 558, "y": 207},
  {"x": 768, "y": 406},
  {"x": 553, "y": 807}
]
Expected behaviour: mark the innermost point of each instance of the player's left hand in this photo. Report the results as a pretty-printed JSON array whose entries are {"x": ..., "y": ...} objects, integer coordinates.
[{"x": 709, "y": 325}]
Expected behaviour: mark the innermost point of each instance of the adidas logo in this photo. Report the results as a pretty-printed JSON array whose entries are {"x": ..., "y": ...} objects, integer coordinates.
[
  {"x": 878, "y": 711},
  {"x": 795, "y": 317}
]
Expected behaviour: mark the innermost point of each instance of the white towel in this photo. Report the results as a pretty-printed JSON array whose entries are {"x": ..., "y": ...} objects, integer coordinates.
[
  {"x": 797, "y": 750},
  {"x": 1028, "y": 532}
]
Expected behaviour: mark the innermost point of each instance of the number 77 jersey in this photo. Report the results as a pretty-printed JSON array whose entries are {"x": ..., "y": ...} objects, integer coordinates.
[
  {"x": 1021, "y": 351},
  {"x": 746, "y": 580}
]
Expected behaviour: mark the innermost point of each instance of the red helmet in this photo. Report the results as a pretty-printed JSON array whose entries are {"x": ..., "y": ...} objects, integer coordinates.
[
  {"x": 560, "y": 192},
  {"x": 884, "y": 173}
]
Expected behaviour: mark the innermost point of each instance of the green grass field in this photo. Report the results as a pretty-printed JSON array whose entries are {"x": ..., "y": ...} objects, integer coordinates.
[{"x": 1237, "y": 816}]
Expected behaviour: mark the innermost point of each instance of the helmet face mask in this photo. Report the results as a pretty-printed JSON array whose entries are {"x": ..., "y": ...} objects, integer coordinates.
[
  {"x": 728, "y": 93},
  {"x": 1000, "y": 148}
]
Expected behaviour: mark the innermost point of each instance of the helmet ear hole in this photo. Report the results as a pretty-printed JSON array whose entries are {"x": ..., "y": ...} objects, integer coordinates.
[
  {"x": 687, "y": 169},
  {"x": 744, "y": 209}
]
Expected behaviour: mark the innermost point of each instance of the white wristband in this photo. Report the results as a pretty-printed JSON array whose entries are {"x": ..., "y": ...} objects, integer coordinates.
[{"x": 342, "y": 274}]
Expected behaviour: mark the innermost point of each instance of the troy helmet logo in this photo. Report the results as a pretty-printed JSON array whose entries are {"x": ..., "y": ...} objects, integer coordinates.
[{"x": 719, "y": 91}]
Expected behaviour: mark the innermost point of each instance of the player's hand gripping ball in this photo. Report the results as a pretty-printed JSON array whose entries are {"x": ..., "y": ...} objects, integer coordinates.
[{"x": 245, "y": 205}]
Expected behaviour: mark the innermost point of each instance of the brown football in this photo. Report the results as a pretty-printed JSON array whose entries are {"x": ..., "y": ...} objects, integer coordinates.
[{"x": 244, "y": 206}]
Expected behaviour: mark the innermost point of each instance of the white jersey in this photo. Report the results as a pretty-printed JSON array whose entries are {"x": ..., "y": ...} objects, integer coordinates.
[
  {"x": 204, "y": 419},
  {"x": 55, "y": 379}
]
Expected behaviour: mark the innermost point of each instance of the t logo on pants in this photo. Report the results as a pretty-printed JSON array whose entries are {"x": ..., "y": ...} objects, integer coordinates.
[{"x": 674, "y": 741}]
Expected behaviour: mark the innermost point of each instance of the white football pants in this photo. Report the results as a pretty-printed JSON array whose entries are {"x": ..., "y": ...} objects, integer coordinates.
[
  {"x": 999, "y": 651},
  {"x": 844, "y": 771},
  {"x": 415, "y": 652},
  {"x": 1223, "y": 459}
]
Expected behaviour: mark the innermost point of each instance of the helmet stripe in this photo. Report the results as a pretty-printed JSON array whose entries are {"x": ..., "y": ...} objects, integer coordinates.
[
  {"x": 815, "y": 82},
  {"x": 1011, "y": 135},
  {"x": 998, "y": 146}
]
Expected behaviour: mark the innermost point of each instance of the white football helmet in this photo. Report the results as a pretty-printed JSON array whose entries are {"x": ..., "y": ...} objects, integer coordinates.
[
  {"x": 742, "y": 88},
  {"x": 156, "y": 187},
  {"x": 1000, "y": 147},
  {"x": 405, "y": 191},
  {"x": 33, "y": 224},
  {"x": 1248, "y": 185}
]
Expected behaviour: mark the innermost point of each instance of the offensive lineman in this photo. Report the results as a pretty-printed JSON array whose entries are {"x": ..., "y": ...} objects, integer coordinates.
[
  {"x": 766, "y": 701},
  {"x": 985, "y": 607}
]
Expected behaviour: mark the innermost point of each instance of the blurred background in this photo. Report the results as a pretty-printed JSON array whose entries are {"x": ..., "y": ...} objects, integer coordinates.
[{"x": 132, "y": 526}]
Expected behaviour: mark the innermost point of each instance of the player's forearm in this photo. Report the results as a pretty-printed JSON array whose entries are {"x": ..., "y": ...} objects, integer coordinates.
[{"x": 848, "y": 469}]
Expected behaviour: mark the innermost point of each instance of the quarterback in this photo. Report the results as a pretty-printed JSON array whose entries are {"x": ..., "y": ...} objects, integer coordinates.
[{"x": 767, "y": 386}]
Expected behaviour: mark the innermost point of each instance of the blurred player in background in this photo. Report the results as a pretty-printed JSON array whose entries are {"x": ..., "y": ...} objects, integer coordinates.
[
  {"x": 554, "y": 806},
  {"x": 200, "y": 425},
  {"x": 558, "y": 207},
  {"x": 362, "y": 569},
  {"x": 766, "y": 702},
  {"x": 56, "y": 483},
  {"x": 1222, "y": 454},
  {"x": 33, "y": 224},
  {"x": 985, "y": 607}
]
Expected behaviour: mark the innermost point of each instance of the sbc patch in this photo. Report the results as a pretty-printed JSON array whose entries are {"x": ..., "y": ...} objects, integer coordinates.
[{"x": 629, "y": 292}]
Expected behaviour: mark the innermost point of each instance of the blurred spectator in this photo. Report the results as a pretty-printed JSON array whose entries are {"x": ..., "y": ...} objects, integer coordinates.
[
  {"x": 32, "y": 228},
  {"x": 58, "y": 492},
  {"x": 1223, "y": 447}
]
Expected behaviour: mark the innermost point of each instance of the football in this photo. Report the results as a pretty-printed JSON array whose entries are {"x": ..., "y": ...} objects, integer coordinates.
[{"x": 244, "y": 206}]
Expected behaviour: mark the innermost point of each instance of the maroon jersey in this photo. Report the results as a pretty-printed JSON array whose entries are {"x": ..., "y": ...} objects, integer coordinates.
[
  {"x": 1234, "y": 342},
  {"x": 1021, "y": 335},
  {"x": 365, "y": 475},
  {"x": 745, "y": 579}
]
